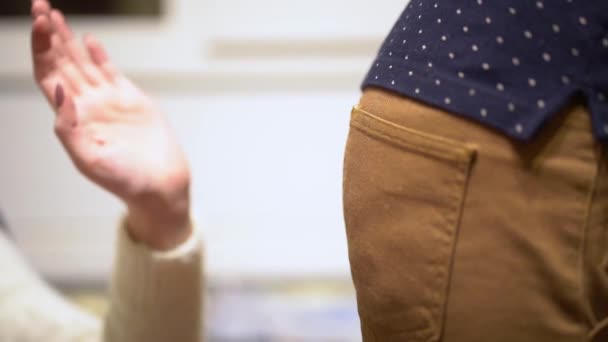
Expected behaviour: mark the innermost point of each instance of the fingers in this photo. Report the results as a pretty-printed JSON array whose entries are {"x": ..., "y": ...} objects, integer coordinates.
[
  {"x": 66, "y": 38},
  {"x": 41, "y": 35},
  {"x": 99, "y": 57},
  {"x": 51, "y": 32},
  {"x": 40, "y": 7},
  {"x": 96, "y": 51},
  {"x": 58, "y": 79},
  {"x": 74, "y": 78},
  {"x": 50, "y": 63},
  {"x": 44, "y": 62},
  {"x": 60, "y": 26},
  {"x": 73, "y": 51},
  {"x": 42, "y": 30}
]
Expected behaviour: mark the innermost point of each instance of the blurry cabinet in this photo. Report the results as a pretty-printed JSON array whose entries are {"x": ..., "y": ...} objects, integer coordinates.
[
  {"x": 296, "y": 21},
  {"x": 200, "y": 34}
]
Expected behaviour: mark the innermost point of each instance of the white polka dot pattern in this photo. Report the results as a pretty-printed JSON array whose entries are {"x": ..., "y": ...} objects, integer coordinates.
[{"x": 496, "y": 62}]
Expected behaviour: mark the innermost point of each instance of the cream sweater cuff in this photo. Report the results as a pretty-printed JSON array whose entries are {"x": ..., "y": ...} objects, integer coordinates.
[{"x": 156, "y": 296}]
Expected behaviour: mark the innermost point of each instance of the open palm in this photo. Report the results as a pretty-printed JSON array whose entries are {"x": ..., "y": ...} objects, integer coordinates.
[{"x": 113, "y": 132}]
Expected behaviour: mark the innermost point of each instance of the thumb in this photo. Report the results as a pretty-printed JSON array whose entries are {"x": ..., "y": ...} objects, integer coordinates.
[{"x": 65, "y": 107}]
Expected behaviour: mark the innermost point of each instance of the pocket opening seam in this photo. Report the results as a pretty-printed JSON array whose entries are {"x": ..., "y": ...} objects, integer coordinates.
[{"x": 429, "y": 144}]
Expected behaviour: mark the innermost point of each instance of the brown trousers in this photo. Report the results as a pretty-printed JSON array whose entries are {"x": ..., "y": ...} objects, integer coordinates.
[{"x": 459, "y": 234}]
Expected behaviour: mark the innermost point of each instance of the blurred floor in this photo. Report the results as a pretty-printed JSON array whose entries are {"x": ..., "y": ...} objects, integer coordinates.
[{"x": 268, "y": 310}]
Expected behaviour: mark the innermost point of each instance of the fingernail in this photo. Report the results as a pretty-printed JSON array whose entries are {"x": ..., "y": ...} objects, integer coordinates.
[{"x": 59, "y": 96}]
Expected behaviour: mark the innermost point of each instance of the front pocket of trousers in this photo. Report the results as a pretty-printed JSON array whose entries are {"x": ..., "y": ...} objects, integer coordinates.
[{"x": 403, "y": 195}]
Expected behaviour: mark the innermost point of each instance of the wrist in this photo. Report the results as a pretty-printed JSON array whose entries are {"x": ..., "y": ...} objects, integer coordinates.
[{"x": 160, "y": 225}]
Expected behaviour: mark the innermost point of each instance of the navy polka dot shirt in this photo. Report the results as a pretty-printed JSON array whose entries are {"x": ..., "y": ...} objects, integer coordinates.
[{"x": 509, "y": 64}]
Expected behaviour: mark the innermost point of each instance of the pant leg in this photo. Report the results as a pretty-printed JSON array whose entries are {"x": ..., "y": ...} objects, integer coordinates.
[{"x": 458, "y": 234}]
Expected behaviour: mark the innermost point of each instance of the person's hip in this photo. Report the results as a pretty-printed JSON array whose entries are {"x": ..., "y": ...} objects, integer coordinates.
[{"x": 456, "y": 233}]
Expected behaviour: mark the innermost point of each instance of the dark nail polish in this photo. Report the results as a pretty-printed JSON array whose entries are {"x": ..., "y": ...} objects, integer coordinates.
[{"x": 59, "y": 96}]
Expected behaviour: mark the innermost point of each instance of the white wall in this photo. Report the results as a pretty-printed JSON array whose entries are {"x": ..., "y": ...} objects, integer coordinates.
[{"x": 260, "y": 96}]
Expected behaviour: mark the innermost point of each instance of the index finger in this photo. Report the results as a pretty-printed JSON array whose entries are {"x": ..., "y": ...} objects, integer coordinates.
[{"x": 40, "y": 7}]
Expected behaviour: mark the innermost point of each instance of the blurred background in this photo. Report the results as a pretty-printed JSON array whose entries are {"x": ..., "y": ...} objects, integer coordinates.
[{"x": 260, "y": 94}]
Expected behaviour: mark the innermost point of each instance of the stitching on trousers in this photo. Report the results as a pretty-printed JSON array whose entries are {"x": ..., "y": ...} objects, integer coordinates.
[
  {"x": 456, "y": 154},
  {"x": 358, "y": 111},
  {"x": 363, "y": 123},
  {"x": 583, "y": 247},
  {"x": 464, "y": 179},
  {"x": 597, "y": 331}
]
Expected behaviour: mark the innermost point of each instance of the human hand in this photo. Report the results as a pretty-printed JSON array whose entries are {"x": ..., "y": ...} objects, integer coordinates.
[{"x": 113, "y": 132}]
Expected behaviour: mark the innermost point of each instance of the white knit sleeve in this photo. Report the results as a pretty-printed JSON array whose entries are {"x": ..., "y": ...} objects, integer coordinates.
[
  {"x": 156, "y": 296},
  {"x": 31, "y": 311}
]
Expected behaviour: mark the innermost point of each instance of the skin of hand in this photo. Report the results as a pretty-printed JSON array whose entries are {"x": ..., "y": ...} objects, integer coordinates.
[{"x": 114, "y": 134}]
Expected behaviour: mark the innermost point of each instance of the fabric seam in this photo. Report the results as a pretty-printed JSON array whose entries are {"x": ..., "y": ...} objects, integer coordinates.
[
  {"x": 465, "y": 183},
  {"x": 458, "y": 152},
  {"x": 583, "y": 247}
]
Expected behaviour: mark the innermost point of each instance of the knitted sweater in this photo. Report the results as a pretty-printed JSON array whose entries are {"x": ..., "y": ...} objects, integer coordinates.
[{"x": 154, "y": 296}]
